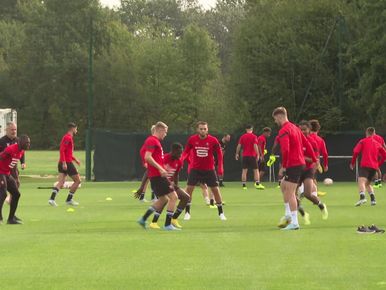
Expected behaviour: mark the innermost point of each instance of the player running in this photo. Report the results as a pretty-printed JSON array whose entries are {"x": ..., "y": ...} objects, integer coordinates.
[
  {"x": 173, "y": 165},
  {"x": 373, "y": 155},
  {"x": 378, "y": 177},
  {"x": 203, "y": 146},
  {"x": 292, "y": 142},
  {"x": 67, "y": 167},
  {"x": 308, "y": 175},
  {"x": 8, "y": 160},
  {"x": 154, "y": 157},
  {"x": 261, "y": 145},
  {"x": 248, "y": 143}
]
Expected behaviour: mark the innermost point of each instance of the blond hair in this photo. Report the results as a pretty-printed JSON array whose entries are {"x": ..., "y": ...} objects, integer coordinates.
[{"x": 279, "y": 111}]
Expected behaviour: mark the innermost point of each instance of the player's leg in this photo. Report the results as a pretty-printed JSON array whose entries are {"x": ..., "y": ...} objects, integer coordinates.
[
  {"x": 55, "y": 189},
  {"x": 14, "y": 191},
  {"x": 218, "y": 199},
  {"x": 73, "y": 188},
  {"x": 311, "y": 194},
  {"x": 378, "y": 179},
  {"x": 171, "y": 206},
  {"x": 369, "y": 188},
  {"x": 205, "y": 193},
  {"x": 183, "y": 196},
  {"x": 15, "y": 175},
  {"x": 288, "y": 188},
  {"x": 189, "y": 191},
  {"x": 256, "y": 175},
  {"x": 157, "y": 206},
  {"x": 211, "y": 200},
  {"x": 244, "y": 173},
  {"x": 211, "y": 180},
  {"x": 362, "y": 181},
  {"x": 140, "y": 193},
  {"x": 193, "y": 179},
  {"x": 3, "y": 194}
]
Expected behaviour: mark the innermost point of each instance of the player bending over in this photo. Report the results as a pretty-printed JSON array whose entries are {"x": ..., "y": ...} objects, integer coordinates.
[{"x": 8, "y": 160}]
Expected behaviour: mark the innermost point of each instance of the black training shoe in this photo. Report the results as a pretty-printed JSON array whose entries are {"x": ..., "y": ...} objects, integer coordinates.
[
  {"x": 365, "y": 230},
  {"x": 376, "y": 229},
  {"x": 14, "y": 222},
  {"x": 18, "y": 219}
]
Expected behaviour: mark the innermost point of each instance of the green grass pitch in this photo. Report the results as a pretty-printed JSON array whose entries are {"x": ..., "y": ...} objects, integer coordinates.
[{"x": 100, "y": 246}]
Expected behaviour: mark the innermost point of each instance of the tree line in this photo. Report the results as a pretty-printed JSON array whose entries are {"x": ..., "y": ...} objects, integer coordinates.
[{"x": 172, "y": 60}]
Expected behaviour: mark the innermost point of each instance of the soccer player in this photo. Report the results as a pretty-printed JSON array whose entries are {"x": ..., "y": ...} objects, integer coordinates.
[
  {"x": 8, "y": 160},
  {"x": 140, "y": 193},
  {"x": 373, "y": 155},
  {"x": 292, "y": 142},
  {"x": 378, "y": 177},
  {"x": 308, "y": 175},
  {"x": 315, "y": 128},
  {"x": 248, "y": 143},
  {"x": 261, "y": 144},
  {"x": 67, "y": 167},
  {"x": 173, "y": 165},
  {"x": 223, "y": 143},
  {"x": 154, "y": 157},
  {"x": 203, "y": 147},
  {"x": 7, "y": 140}
]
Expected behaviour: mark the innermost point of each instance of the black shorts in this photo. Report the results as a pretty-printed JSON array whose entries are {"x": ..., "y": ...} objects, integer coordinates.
[
  {"x": 292, "y": 174},
  {"x": 367, "y": 172},
  {"x": 161, "y": 186},
  {"x": 262, "y": 165},
  {"x": 307, "y": 173},
  {"x": 15, "y": 175},
  {"x": 8, "y": 183},
  {"x": 71, "y": 169},
  {"x": 249, "y": 162},
  {"x": 208, "y": 177}
]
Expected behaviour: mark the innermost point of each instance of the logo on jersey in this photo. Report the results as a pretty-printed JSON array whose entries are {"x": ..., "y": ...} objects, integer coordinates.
[
  {"x": 202, "y": 151},
  {"x": 13, "y": 163}
]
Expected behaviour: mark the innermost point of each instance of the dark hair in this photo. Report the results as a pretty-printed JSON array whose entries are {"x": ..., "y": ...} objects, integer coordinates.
[
  {"x": 370, "y": 130},
  {"x": 315, "y": 126},
  {"x": 71, "y": 125},
  {"x": 248, "y": 127},
  {"x": 305, "y": 123},
  {"x": 267, "y": 129},
  {"x": 177, "y": 146},
  {"x": 22, "y": 138}
]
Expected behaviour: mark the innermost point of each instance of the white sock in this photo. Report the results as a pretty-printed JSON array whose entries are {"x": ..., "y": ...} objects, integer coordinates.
[
  {"x": 287, "y": 209},
  {"x": 294, "y": 217}
]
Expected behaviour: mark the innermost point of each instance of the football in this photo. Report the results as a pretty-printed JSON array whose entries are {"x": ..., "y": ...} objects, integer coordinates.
[{"x": 328, "y": 181}]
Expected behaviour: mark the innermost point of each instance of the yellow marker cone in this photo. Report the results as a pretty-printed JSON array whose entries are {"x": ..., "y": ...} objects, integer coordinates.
[
  {"x": 109, "y": 199},
  {"x": 70, "y": 209}
]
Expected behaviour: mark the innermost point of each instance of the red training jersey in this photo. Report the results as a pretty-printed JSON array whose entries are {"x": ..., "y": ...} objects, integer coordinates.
[
  {"x": 315, "y": 148},
  {"x": 67, "y": 148},
  {"x": 293, "y": 144},
  {"x": 172, "y": 166},
  {"x": 9, "y": 158},
  {"x": 202, "y": 151},
  {"x": 373, "y": 153},
  {"x": 322, "y": 148},
  {"x": 262, "y": 143},
  {"x": 379, "y": 139},
  {"x": 153, "y": 145},
  {"x": 247, "y": 141}
]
